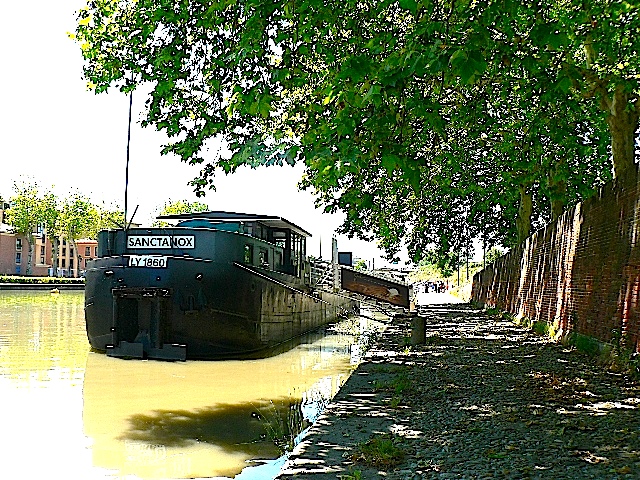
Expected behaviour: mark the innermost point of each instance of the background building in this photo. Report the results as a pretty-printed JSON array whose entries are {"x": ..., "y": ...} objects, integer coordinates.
[
  {"x": 3, "y": 206},
  {"x": 14, "y": 254},
  {"x": 72, "y": 262}
]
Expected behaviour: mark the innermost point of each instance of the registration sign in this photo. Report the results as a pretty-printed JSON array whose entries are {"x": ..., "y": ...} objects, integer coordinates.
[{"x": 147, "y": 261}]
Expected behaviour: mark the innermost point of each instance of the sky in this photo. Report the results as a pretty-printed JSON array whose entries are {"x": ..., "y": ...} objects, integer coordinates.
[{"x": 67, "y": 139}]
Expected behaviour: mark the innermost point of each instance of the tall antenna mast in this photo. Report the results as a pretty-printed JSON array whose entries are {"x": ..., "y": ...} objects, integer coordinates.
[{"x": 126, "y": 174}]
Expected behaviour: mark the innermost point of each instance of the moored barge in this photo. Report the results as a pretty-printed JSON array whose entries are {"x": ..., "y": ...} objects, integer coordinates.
[{"x": 216, "y": 285}]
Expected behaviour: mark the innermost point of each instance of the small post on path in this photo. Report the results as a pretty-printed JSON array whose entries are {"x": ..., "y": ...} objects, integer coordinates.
[{"x": 418, "y": 330}]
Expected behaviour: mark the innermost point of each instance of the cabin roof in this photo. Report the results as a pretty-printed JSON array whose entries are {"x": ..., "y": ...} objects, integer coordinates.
[{"x": 219, "y": 216}]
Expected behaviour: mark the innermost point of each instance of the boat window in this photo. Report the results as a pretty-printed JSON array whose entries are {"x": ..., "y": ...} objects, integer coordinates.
[
  {"x": 295, "y": 254},
  {"x": 298, "y": 247},
  {"x": 264, "y": 258},
  {"x": 248, "y": 253},
  {"x": 280, "y": 239}
]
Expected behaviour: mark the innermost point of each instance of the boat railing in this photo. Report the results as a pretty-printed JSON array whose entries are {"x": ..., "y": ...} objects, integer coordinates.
[{"x": 321, "y": 274}]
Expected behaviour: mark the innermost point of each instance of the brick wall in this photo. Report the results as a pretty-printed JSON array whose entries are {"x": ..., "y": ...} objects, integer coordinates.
[{"x": 579, "y": 274}]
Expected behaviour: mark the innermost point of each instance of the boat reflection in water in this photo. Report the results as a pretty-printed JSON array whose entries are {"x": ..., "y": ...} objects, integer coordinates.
[{"x": 151, "y": 419}]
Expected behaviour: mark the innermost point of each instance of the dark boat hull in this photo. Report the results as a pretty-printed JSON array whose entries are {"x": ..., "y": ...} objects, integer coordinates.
[{"x": 200, "y": 307}]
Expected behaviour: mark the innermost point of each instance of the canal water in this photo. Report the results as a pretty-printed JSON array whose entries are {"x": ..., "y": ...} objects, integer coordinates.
[{"x": 71, "y": 413}]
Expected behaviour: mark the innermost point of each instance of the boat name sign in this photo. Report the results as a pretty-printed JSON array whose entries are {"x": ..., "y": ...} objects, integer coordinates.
[{"x": 161, "y": 241}]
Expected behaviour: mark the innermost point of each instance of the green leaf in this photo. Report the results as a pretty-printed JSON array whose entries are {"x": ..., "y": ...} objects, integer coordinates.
[
  {"x": 389, "y": 162},
  {"x": 467, "y": 72},
  {"x": 564, "y": 85},
  {"x": 373, "y": 95},
  {"x": 411, "y": 5},
  {"x": 458, "y": 57},
  {"x": 559, "y": 40},
  {"x": 264, "y": 105}
]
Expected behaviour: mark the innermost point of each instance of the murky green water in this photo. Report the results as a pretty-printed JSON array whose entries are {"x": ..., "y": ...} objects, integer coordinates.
[{"x": 71, "y": 413}]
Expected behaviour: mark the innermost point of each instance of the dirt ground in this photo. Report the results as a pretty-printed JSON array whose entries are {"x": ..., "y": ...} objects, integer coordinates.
[{"x": 483, "y": 398}]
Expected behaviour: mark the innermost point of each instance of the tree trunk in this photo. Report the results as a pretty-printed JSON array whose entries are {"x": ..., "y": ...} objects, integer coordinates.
[
  {"x": 557, "y": 190},
  {"x": 73, "y": 258},
  {"x": 30, "y": 241},
  {"x": 523, "y": 222},
  {"x": 558, "y": 203},
  {"x": 622, "y": 119},
  {"x": 54, "y": 255}
]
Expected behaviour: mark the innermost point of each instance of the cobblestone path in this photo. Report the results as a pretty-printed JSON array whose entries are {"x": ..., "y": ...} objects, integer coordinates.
[{"x": 482, "y": 399}]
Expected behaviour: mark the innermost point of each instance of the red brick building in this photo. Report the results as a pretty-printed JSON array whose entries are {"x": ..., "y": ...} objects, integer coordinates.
[{"x": 14, "y": 254}]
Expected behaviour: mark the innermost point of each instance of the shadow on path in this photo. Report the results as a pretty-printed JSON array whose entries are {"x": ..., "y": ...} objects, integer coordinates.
[{"x": 483, "y": 398}]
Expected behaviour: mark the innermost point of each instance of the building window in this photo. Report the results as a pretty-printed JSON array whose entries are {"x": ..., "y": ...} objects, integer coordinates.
[
  {"x": 64, "y": 241},
  {"x": 18, "y": 244},
  {"x": 87, "y": 251},
  {"x": 95, "y": 251},
  {"x": 71, "y": 252},
  {"x": 18, "y": 257},
  {"x": 71, "y": 263},
  {"x": 42, "y": 250},
  {"x": 64, "y": 252},
  {"x": 41, "y": 260},
  {"x": 64, "y": 263}
]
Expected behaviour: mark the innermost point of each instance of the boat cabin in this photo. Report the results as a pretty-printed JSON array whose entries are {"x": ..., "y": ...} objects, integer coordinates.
[{"x": 282, "y": 246}]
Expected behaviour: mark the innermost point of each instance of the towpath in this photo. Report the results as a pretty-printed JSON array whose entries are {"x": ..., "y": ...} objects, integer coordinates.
[{"x": 482, "y": 399}]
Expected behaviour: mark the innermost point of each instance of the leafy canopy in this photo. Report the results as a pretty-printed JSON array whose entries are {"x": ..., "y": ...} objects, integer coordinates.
[
  {"x": 428, "y": 122},
  {"x": 180, "y": 206}
]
